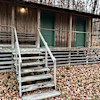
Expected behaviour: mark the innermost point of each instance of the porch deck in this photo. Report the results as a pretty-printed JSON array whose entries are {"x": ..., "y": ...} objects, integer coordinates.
[{"x": 64, "y": 56}]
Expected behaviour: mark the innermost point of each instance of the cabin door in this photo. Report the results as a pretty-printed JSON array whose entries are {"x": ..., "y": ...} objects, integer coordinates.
[
  {"x": 48, "y": 22},
  {"x": 81, "y": 37}
]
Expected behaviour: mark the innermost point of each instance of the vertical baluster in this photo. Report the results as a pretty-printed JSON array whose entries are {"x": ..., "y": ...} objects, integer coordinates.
[
  {"x": 87, "y": 58},
  {"x": 16, "y": 59},
  {"x": 69, "y": 58},
  {"x": 55, "y": 73},
  {"x": 46, "y": 58},
  {"x": 20, "y": 90}
]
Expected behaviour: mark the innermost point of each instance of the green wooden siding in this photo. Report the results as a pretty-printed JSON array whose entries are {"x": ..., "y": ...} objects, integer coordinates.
[
  {"x": 48, "y": 21},
  {"x": 81, "y": 37}
]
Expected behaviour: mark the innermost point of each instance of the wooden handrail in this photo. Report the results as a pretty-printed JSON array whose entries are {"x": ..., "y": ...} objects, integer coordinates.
[
  {"x": 17, "y": 51},
  {"x": 50, "y": 53},
  {"x": 46, "y": 46}
]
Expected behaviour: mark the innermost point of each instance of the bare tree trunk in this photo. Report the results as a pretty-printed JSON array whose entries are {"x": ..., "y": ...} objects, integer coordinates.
[
  {"x": 68, "y": 4},
  {"x": 94, "y": 7}
]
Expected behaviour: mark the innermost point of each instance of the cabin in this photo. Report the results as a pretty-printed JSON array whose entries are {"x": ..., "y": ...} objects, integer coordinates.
[{"x": 36, "y": 36}]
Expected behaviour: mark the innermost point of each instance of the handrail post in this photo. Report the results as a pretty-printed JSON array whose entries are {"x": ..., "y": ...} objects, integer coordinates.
[
  {"x": 46, "y": 58},
  {"x": 69, "y": 58},
  {"x": 87, "y": 58},
  {"x": 12, "y": 39},
  {"x": 20, "y": 92},
  {"x": 16, "y": 60},
  {"x": 55, "y": 73}
]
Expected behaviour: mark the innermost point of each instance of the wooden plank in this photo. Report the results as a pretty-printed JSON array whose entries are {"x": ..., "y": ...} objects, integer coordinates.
[
  {"x": 8, "y": 70},
  {"x": 6, "y": 63},
  {"x": 27, "y": 46},
  {"x": 6, "y": 67},
  {"x": 32, "y": 64},
  {"x": 41, "y": 96},
  {"x": 5, "y": 55},
  {"x": 36, "y": 58},
  {"x": 28, "y": 52},
  {"x": 36, "y": 77},
  {"x": 35, "y": 69},
  {"x": 37, "y": 86}
]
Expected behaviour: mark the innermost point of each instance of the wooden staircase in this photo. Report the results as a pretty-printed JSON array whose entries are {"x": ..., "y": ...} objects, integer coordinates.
[
  {"x": 31, "y": 68},
  {"x": 34, "y": 76}
]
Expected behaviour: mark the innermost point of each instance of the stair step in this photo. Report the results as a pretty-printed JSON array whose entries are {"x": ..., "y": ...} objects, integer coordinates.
[
  {"x": 6, "y": 62},
  {"x": 28, "y": 46},
  {"x": 24, "y": 53},
  {"x": 36, "y": 57},
  {"x": 10, "y": 58},
  {"x": 36, "y": 77},
  {"x": 41, "y": 96},
  {"x": 36, "y": 69},
  {"x": 3, "y": 67},
  {"x": 37, "y": 86},
  {"x": 5, "y": 55},
  {"x": 8, "y": 70},
  {"x": 32, "y": 64}
]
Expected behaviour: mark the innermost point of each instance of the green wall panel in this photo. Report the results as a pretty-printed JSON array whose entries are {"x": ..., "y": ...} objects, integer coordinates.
[
  {"x": 81, "y": 37},
  {"x": 48, "y": 21}
]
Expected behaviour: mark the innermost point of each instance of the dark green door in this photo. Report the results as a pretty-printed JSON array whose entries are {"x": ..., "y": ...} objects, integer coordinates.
[
  {"x": 81, "y": 37},
  {"x": 48, "y": 22}
]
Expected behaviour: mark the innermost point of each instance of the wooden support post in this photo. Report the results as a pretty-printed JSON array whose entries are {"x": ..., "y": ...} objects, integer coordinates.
[
  {"x": 87, "y": 58},
  {"x": 69, "y": 58},
  {"x": 90, "y": 30},
  {"x": 46, "y": 58},
  {"x": 38, "y": 26},
  {"x": 70, "y": 31},
  {"x": 13, "y": 24}
]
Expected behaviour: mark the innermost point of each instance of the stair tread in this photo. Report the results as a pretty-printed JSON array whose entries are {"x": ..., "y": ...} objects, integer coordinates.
[
  {"x": 36, "y": 69},
  {"x": 2, "y": 67},
  {"x": 41, "y": 96},
  {"x": 6, "y": 62},
  {"x": 35, "y": 57},
  {"x": 23, "y": 53},
  {"x": 27, "y": 45},
  {"x": 5, "y": 55},
  {"x": 8, "y": 70},
  {"x": 36, "y": 77},
  {"x": 10, "y": 58},
  {"x": 32, "y": 63},
  {"x": 37, "y": 86}
]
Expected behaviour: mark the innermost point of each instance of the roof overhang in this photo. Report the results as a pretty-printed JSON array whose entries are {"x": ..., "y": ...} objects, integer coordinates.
[{"x": 73, "y": 12}]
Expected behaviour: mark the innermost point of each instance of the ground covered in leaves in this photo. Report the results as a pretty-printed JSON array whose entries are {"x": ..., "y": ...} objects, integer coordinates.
[
  {"x": 74, "y": 83},
  {"x": 8, "y": 86},
  {"x": 78, "y": 83}
]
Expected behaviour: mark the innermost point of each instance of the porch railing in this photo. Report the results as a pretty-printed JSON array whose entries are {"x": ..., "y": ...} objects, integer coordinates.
[
  {"x": 74, "y": 56},
  {"x": 15, "y": 44},
  {"x": 48, "y": 51}
]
